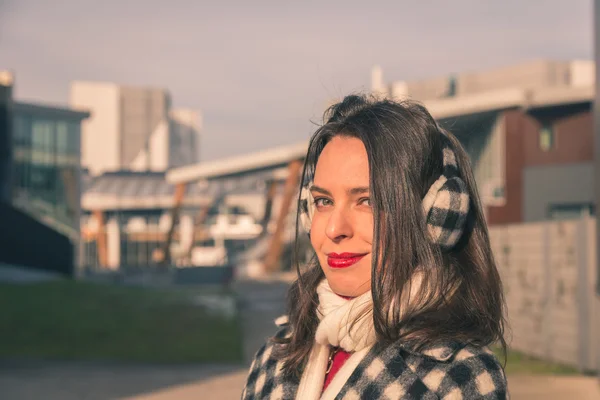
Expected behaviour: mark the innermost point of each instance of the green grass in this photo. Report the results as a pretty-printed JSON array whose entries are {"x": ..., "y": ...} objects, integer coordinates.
[
  {"x": 519, "y": 363},
  {"x": 79, "y": 320}
]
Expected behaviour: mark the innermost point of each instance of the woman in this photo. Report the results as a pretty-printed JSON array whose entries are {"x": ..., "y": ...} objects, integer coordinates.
[{"x": 402, "y": 298}]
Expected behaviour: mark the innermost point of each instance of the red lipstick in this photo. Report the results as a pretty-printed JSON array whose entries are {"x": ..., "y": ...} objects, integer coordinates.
[{"x": 343, "y": 260}]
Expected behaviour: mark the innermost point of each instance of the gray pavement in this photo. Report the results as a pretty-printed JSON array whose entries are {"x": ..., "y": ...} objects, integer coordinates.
[{"x": 104, "y": 381}]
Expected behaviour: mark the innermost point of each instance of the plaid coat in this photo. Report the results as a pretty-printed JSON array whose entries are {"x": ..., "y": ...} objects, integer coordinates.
[{"x": 394, "y": 372}]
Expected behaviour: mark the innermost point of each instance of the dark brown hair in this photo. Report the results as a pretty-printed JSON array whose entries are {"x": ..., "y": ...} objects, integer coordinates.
[{"x": 461, "y": 297}]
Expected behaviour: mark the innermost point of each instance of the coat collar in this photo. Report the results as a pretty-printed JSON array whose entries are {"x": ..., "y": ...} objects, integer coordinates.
[{"x": 440, "y": 352}]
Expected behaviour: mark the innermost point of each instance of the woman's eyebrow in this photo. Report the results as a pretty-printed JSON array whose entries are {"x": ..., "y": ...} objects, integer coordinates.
[
  {"x": 358, "y": 190},
  {"x": 315, "y": 188},
  {"x": 352, "y": 191}
]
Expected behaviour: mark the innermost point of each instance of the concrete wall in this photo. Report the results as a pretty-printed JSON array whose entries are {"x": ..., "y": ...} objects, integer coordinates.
[
  {"x": 184, "y": 137},
  {"x": 572, "y": 126},
  {"x": 100, "y": 146},
  {"x": 533, "y": 74},
  {"x": 527, "y": 75},
  {"x": 583, "y": 72},
  {"x": 544, "y": 186},
  {"x": 422, "y": 89},
  {"x": 549, "y": 271},
  {"x": 129, "y": 126},
  {"x": 159, "y": 145},
  {"x": 142, "y": 111}
]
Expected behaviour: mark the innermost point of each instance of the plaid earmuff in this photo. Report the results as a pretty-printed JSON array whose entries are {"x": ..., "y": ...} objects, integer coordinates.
[
  {"x": 307, "y": 206},
  {"x": 445, "y": 206}
]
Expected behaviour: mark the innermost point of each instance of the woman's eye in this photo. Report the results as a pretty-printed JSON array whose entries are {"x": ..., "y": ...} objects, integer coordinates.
[
  {"x": 366, "y": 201},
  {"x": 322, "y": 202}
]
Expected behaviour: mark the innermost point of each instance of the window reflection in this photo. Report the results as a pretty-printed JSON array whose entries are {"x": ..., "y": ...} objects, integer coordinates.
[{"x": 46, "y": 165}]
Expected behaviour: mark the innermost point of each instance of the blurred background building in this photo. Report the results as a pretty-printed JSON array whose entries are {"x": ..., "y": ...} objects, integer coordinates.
[
  {"x": 134, "y": 128},
  {"x": 40, "y": 179},
  {"x": 46, "y": 172},
  {"x": 528, "y": 129},
  {"x": 115, "y": 183},
  {"x": 6, "y": 107}
]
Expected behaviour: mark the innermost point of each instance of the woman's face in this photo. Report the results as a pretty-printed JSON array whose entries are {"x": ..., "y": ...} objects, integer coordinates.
[{"x": 342, "y": 226}]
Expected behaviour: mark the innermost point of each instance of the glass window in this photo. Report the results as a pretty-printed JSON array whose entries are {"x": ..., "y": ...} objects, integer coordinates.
[
  {"x": 73, "y": 138},
  {"x": 43, "y": 177},
  {"x": 153, "y": 220},
  {"x": 19, "y": 130},
  {"x": 62, "y": 141},
  {"x": 44, "y": 172},
  {"x": 546, "y": 138},
  {"x": 570, "y": 211}
]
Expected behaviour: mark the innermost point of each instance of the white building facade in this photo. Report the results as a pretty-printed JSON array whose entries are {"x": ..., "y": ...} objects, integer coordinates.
[{"x": 134, "y": 128}]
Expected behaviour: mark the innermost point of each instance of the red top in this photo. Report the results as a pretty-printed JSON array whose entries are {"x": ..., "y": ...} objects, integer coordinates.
[{"x": 339, "y": 359}]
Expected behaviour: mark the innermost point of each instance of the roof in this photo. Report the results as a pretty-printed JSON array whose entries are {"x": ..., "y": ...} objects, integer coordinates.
[
  {"x": 50, "y": 111},
  {"x": 451, "y": 107},
  {"x": 509, "y": 98},
  {"x": 274, "y": 158},
  {"x": 135, "y": 190},
  {"x": 131, "y": 190},
  {"x": 558, "y": 96}
]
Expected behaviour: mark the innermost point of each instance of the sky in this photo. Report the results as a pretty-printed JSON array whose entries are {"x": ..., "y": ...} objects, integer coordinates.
[{"x": 261, "y": 72}]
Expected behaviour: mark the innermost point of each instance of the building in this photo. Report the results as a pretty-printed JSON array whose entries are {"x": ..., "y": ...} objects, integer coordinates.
[
  {"x": 535, "y": 74},
  {"x": 134, "y": 128},
  {"x": 264, "y": 184},
  {"x": 46, "y": 170},
  {"x": 128, "y": 221},
  {"x": 6, "y": 106},
  {"x": 40, "y": 179},
  {"x": 528, "y": 129},
  {"x": 184, "y": 148},
  {"x": 529, "y": 148}
]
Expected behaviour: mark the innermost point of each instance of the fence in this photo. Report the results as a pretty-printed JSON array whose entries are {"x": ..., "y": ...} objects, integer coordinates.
[{"x": 549, "y": 275}]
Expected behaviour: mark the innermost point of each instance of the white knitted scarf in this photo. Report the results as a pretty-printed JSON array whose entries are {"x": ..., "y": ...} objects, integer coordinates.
[{"x": 347, "y": 324}]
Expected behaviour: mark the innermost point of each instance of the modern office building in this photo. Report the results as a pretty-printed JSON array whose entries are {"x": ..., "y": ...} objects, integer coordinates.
[
  {"x": 40, "y": 178},
  {"x": 134, "y": 128},
  {"x": 46, "y": 171}
]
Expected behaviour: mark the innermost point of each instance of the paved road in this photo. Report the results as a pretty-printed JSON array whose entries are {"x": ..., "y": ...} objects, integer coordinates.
[{"x": 103, "y": 381}]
